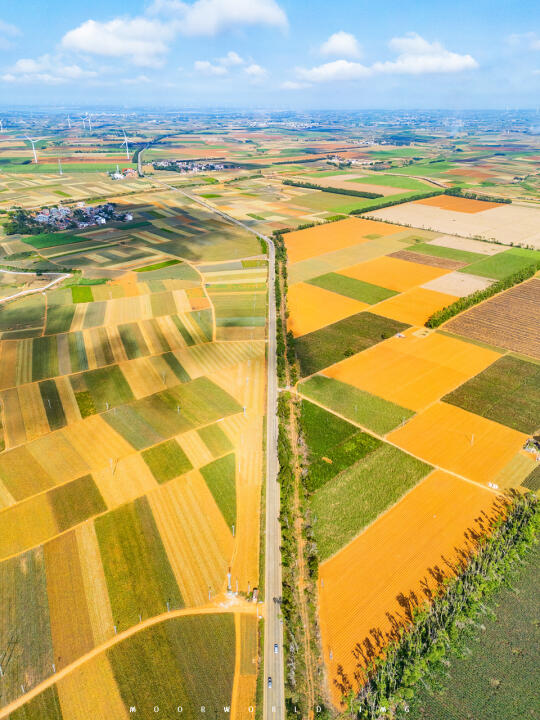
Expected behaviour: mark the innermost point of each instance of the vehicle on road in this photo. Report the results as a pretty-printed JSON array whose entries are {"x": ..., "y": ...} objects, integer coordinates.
[
  {"x": 276, "y": 648},
  {"x": 269, "y": 682}
]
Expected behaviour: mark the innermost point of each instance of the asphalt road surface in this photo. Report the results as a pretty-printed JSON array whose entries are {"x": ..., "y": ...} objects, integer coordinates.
[{"x": 274, "y": 697}]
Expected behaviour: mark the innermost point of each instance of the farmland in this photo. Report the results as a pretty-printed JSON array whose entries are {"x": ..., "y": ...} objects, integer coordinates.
[
  {"x": 133, "y": 400},
  {"x": 126, "y": 489}
]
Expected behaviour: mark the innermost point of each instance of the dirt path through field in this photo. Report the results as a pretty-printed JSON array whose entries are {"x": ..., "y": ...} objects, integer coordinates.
[{"x": 219, "y": 605}]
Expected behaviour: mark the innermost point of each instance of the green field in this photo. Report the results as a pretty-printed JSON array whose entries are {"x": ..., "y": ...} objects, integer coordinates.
[
  {"x": 166, "y": 461},
  {"x": 497, "y": 679},
  {"x": 444, "y": 252},
  {"x": 44, "y": 357},
  {"x": 504, "y": 264},
  {"x": 220, "y": 476},
  {"x": 76, "y": 501},
  {"x": 187, "y": 662},
  {"x": 27, "y": 312},
  {"x": 333, "y": 343},
  {"x": 107, "y": 387},
  {"x": 397, "y": 181},
  {"x": 157, "y": 266},
  {"x": 52, "y": 404},
  {"x": 25, "y": 615},
  {"x": 507, "y": 392},
  {"x": 59, "y": 318},
  {"x": 357, "y": 405},
  {"x": 46, "y": 240},
  {"x": 358, "y": 495},
  {"x": 139, "y": 577},
  {"x": 351, "y": 287},
  {"x": 82, "y": 294},
  {"x": 45, "y": 706},
  {"x": 215, "y": 440}
]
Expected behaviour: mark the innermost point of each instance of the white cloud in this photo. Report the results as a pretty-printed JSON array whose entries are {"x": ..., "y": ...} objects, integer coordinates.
[
  {"x": 46, "y": 69},
  {"x": 231, "y": 59},
  {"x": 7, "y": 32},
  {"x": 204, "y": 67},
  {"x": 142, "y": 41},
  {"x": 293, "y": 85},
  {"x": 342, "y": 44},
  {"x": 529, "y": 40},
  {"x": 418, "y": 56},
  {"x": 210, "y": 17},
  {"x": 256, "y": 72},
  {"x": 332, "y": 71}
]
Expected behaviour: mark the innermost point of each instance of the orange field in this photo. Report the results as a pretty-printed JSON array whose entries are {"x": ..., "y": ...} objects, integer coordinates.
[
  {"x": 360, "y": 585},
  {"x": 312, "y": 307},
  {"x": 304, "y": 244},
  {"x": 450, "y": 202},
  {"x": 460, "y": 441},
  {"x": 413, "y": 371},
  {"x": 393, "y": 273},
  {"x": 414, "y": 306}
]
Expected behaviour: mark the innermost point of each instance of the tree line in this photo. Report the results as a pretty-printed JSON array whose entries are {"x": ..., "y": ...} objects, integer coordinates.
[
  {"x": 440, "y": 627},
  {"x": 463, "y": 303}
]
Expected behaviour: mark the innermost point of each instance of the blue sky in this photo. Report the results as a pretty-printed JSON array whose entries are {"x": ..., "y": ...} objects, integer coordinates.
[{"x": 271, "y": 53}]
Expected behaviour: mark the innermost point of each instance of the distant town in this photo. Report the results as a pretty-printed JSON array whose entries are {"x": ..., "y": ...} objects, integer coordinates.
[
  {"x": 50, "y": 219},
  {"x": 192, "y": 166}
]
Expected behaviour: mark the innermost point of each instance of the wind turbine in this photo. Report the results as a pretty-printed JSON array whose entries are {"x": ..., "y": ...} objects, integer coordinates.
[
  {"x": 88, "y": 117},
  {"x": 1, "y": 126},
  {"x": 69, "y": 122},
  {"x": 125, "y": 143},
  {"x": 83, "y": 121},
  {"x": 33, "y": 147}
]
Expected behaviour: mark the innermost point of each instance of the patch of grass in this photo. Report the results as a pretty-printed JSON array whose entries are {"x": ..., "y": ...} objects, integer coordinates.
[
  {"x": 215, "y": 440},
  {"x": 25, "y": 613},
  {"x": 339, "y": 458},
  {"x": 44, "y": 357},
  {"x": 507, "y": 392},
  {"x": 139, "y": 577},
  {"x": 107, "y": 385},
  {"x": 497, "y": 677},
  {"x": 351, "y": 287},
  {"x": 85, "y": 403},
  {"x": 220, "y": 476},
  {"x": 357, "y": 405},
  {"x": 133, "y": 340},
  {"x": 333, "y": 343},
  {"x": 167, "y": 461},
  {"x": 176, "y": 367},
  {"x": 344, "y": 507},
  {"x": 46, "y": 240},
  {"x": 45, "y": 706},
  {"x": 52, "y": 404},
  {"x": 323, "y": 430},
  {"x": 76, "y": 501},
  {"x": 396, "y": 181},
  {"x": 504, "y": 264},
  {"x": 444, "y": 252},
  {"x": 82, "y": 294},
  {"x": 59, "y": 319},
  {"x": 186, "y": 661},
  {"x": 157, "y": 266}
]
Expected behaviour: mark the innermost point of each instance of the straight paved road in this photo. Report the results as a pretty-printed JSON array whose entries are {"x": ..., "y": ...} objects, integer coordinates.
[{"x": 274, "y": 697}]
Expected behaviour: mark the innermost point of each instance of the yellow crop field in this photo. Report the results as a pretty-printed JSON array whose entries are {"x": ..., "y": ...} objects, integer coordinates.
[
  {"x": 33, "y": 412},
  {"x": 304, "y": 244},
  {"x": 312, "y": 307},
  {"x": 197, "y": 452},
  {"x": 414, "y": 306},
  {"x": 8, "y": 363},
  {"x": 413, "y": 371},
  {"x": 464, "y": 205},
  {"x": 25, "y": 525},
  {"x": 95, "y": 585},
  {"x": 124, "y": 479},
  {"x": 71, "y": 631},
  {"x": 91, "y": 691},
  {"x": 198, "y": 542},
  {"x": 393, "y": 273},
  {"x": 457, "y": 440},
  {"x": 359, "y": 586},
  {"x": 14, "y": 428}
]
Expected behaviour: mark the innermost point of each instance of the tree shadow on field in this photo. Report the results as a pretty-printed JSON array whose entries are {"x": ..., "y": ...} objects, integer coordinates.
[{"x": 371, "y": 647}]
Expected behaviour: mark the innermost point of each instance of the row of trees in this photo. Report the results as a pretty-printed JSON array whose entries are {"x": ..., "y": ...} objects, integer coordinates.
[
  {"x": 329, "y": 189},
  {"x": 397, "y": 201},
  {"x": 440, "y": 628},
  {"x": 461, "y": 304},
  {"x": 475, "y": 196}
]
